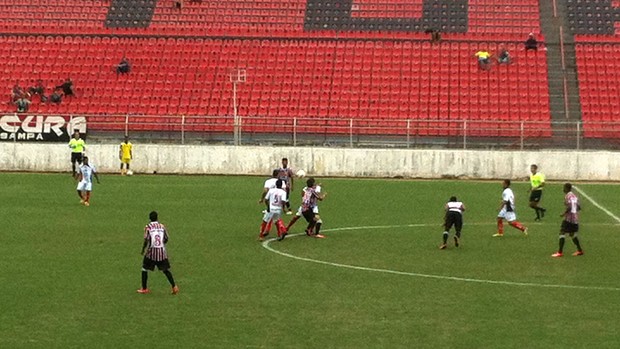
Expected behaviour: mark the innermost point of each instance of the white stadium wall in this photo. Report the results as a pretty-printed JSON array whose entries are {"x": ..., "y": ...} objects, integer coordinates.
[{"x": 337, "y": 162}]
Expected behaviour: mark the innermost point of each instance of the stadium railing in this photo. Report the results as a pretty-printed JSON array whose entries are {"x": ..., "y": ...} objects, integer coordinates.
[{"x": 348, "y": 132}]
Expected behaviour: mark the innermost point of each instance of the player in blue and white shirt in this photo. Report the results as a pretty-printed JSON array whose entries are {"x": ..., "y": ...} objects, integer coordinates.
[{"x": 85, "y": 175}]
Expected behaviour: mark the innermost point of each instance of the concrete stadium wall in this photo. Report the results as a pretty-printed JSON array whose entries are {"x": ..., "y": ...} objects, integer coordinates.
[{"x": 346, "y": 162}]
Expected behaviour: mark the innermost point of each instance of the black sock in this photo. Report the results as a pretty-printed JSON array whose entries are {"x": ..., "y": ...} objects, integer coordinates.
[
  {"x": 80, "y": 194},
  {"x": 458, "y": 234},
  {"x": 310, "y": 227},
  {"x": 170, "y": 278},
  {"x": 318, "y": 227},
  {"x": 561, "y": 243},
  {"x": 445, "y": 237},
  {"x": 537, "y": 212},
  {"x": 145, "y": 276},
  {"x": 576, "y": 242}
]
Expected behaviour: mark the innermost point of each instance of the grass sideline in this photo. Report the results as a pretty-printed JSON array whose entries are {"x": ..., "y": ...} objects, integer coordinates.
[{"x": 70, "y": 272}]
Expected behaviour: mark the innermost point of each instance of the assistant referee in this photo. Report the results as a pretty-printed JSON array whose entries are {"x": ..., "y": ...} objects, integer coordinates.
[
  {"x": 537, "y": 181},
  {"x": 77, "y": 146}
]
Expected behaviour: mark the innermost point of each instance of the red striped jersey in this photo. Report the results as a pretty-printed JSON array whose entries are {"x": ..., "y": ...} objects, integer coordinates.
[
  {"x": 572, "y": 208},
  {"x": 156, "y": 236},
  {"x": 309, "y": 199}
]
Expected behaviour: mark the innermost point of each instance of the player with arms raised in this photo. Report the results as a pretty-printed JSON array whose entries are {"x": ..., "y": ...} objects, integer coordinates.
[
  {"x": 454, "y": 217},
  {"x": 155, "y": 240},
  {"x": 507, "y": 211},
  {"x": 85, "y": 185},
  {"x": 570, "y": 224}
]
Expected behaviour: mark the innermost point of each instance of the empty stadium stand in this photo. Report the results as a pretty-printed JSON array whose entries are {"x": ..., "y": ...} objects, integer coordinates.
[{"x": 368, "y": 61}]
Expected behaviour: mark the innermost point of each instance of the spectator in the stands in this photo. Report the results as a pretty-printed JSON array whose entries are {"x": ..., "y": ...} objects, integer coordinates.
[
  {"x": 56, "y": 96},
  {"x": 484, "y": 59},
  {"x": 435, "y": 34},
  {"x": 123, "y": 67},
  {"x": 17, "y": 92},
  {"x": 22, "y": 104},
  {"x": 531, "y": 43},
  {"x": 67, "y": 87},
  {"x": 503, "y": 57},
  {"x": 38, "y": 89}
]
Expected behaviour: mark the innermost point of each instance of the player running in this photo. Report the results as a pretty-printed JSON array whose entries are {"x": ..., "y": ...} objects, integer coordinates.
[
  {"x": 537, "y": 181},
  {"x": 285, "y": 173},
  {"x": 85, "y": 186},
  {"x": 570, "y": 224},
  {"x": 155, "y": 240},
  {"x": 454, "y": 217},
  {"x": 270, "y": 184},
  {"x": 309, "y": 203},
  {"x": 276, "y": 198},
  {"x": 507, "y": 211},
  {"x": 125, "y": 154}
]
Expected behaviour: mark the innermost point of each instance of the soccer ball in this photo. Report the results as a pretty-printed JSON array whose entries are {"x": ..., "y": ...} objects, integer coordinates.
[
  {"x": 129, "y": 172},
  {"x": 301, "y": 173}
]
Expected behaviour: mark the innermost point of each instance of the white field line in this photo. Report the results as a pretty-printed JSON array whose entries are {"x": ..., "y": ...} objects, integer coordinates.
[
  {"x": 266, "y": 245},
  {"x": 609, "y": 213}
]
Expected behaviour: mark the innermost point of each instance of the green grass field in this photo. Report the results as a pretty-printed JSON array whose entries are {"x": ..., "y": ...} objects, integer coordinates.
[{"x": 69, "y": 273}]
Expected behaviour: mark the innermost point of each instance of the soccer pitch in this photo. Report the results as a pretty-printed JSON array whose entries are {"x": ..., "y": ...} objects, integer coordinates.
[{"x": 378, "y": 280}]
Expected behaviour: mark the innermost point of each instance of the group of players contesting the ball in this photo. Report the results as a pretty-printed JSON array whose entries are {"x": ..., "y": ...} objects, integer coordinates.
[
  {"x": 570, "y": 223},
  {"x": 276, "y": 195}
]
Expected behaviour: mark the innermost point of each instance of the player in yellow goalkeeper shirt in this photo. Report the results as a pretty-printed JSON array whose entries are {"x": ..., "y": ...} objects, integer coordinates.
[
  {"x": 537, "y": 180},
  {"x": 125, "y": 154}
]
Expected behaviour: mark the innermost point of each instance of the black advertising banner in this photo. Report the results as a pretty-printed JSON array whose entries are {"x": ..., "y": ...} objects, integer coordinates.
[{"x": 38, "y": 128}]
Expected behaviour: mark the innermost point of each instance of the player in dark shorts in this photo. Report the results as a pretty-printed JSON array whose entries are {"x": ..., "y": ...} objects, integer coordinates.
[
  {"x": 453, "y": 218},
  {"x": 570, "y": 224},
  {"x": 537, "y": 181},
  {"x": 155, "y": 239},
  {"x": 285, "y": 173},
  {"x": 308, "y": 203}
]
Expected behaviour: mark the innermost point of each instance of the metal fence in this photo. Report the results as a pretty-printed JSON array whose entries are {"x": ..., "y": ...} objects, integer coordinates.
[{"x": 348, "y": 132}]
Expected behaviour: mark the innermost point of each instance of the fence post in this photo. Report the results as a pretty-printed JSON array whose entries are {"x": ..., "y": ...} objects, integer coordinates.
[
  {"x": 522, "y": 134},
  {"x": 126, "y": 124},
  {"x": 294, "y": 131},
  {"x": 182, "y": 129},
  {"x": 351, "y": 133},
  {"x": 464, "y": 134},
  {"x": 578, "y": 135},
  {"x": 408, "y": 131}
]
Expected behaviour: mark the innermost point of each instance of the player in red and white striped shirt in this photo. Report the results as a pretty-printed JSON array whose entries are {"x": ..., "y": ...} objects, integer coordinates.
[
  {"x": 570, "y": 224},
  {"x": 155, "y": 239}
]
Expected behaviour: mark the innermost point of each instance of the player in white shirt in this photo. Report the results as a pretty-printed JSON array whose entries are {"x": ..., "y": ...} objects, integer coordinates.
[
  {"x": 85, "y": 176},
  {"x": 276, "y": 198},
  {"x": 507, "y": 211},
  {"x": 270, "y": 184},
  {"x": 454, "y": 217}
]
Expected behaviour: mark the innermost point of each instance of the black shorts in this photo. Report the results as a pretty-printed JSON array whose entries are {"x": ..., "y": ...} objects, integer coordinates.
[
  {"x": 76, "y": 157},
  {"x": 568, "y": 227},
  {"x": 535, "y": 195},
  {"x": 150, "y": 264},
  {"x": 308, "y": 215},
  {"x": 455, "y": 219}
]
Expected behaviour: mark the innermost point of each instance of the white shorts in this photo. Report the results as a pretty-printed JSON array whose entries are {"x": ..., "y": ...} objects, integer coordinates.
[
  {"x": 272, "y": 216},
  {"x": 509, "y": 216},
  {"x": 315, "y": 210},
  {"x": 83, "y": 185}
]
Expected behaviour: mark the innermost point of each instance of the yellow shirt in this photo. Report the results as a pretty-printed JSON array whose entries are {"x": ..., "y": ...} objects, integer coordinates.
[
  {"x": 537, "y": 180},
  {"x": 77, "y": 145},
  {"x": 126, "y": 150},
  {"x": 483, "y": 54}
]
